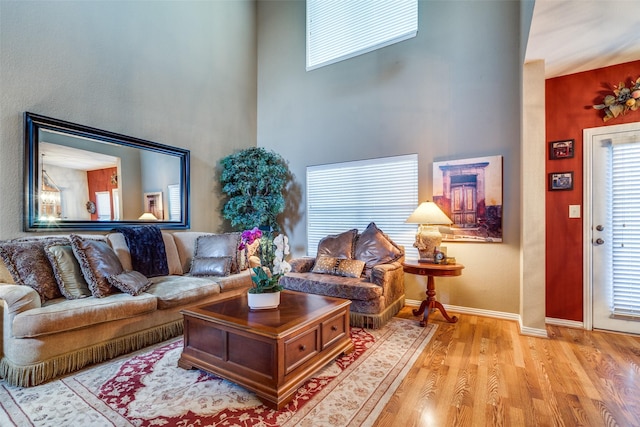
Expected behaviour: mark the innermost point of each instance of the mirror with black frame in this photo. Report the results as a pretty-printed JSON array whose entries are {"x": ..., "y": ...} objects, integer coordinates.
[{"x": 82, "y": 178}]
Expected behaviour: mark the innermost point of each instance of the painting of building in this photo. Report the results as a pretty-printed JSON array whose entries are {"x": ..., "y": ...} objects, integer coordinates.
[{"x": 469, "y": 191}]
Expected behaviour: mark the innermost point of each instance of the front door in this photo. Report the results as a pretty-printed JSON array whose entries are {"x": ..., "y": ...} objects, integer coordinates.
[{"x": 612, "y": 227}]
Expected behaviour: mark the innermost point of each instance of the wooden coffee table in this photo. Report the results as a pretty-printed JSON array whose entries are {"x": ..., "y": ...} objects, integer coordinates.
[{"x": 271, "y": 352}]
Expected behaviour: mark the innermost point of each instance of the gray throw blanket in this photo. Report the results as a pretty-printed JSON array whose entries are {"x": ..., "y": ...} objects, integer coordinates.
[{"x": 148, "y": 255}]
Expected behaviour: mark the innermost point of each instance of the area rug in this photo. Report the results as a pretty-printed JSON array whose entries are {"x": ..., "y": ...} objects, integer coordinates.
[{"x": 147, "y": 388}]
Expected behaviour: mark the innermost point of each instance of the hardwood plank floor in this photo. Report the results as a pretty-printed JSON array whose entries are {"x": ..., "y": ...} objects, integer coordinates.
[{"x": 482, "y": 372}]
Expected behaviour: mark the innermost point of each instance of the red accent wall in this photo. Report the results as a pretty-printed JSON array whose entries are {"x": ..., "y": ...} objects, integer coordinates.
[
  {"x": 100, "y": 180},
  {"x": 569, "y": 109}
]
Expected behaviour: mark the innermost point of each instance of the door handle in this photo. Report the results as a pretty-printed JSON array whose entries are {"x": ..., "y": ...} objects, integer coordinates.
[{"x": 599, "y": 241}]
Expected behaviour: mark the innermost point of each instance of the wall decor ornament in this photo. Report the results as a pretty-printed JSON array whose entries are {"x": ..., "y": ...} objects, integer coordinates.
[{"x": 623, "y": 100}]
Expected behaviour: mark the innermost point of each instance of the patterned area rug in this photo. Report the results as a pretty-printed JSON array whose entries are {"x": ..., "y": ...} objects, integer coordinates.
[{"x": 147, "y": 388}]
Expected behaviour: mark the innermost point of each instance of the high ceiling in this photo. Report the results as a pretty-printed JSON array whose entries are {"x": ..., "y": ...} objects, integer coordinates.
[{"x": 580, "y": 35}]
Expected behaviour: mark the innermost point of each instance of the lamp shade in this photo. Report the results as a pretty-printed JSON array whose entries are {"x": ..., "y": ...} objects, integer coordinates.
[{"x": 428, "y": 213}]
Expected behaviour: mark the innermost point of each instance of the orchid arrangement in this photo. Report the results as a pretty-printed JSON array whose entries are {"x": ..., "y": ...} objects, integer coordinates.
[
  {"x": 623, "y": 100},
  {"x": 272, "y": 252}
]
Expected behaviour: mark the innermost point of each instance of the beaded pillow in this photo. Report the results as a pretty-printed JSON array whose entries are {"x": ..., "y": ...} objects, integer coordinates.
[{"x": 338, "y": 266}]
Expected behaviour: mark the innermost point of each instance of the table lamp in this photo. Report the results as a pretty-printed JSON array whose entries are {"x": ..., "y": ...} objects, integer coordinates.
[{"x": 428, "y": 237}]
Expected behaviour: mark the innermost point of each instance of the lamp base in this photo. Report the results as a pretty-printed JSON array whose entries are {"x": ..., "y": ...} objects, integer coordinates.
[{"x": 428, "y": 238}]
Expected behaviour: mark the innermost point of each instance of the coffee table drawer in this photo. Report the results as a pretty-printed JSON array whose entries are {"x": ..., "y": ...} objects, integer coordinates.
[
  {"x": 334, "y": 329},
  {"x": 300, "y": 349}
]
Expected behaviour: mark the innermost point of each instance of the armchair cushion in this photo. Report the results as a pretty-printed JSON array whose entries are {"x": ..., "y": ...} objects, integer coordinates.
[
  {"x": 375, "y": 247},
  {"x": 333, "y": 286},
  {"x": 338, "y": 245}
]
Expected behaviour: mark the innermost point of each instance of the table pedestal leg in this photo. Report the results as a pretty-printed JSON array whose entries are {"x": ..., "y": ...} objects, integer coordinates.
[{"x": 430, "y": 303}]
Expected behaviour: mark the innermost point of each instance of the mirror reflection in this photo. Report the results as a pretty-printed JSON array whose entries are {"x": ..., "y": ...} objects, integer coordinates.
[{"x": 85, "y": 178}]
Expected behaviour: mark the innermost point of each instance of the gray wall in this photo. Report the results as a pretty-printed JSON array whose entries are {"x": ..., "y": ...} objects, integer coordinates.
[
  {"x": 452, "y": 92},
  {"x": 179, "y": 73}
]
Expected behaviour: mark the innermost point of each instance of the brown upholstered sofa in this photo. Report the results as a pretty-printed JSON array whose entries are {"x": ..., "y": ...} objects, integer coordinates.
[
  {"x": 363, "y": 267},
  {"x": 45, "y": 335}
]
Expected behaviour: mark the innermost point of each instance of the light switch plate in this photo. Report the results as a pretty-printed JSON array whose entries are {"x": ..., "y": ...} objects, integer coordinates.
[{"x": 574, "y": 211}]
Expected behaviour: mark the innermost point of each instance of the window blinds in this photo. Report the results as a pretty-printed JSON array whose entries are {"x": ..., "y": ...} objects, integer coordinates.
[
  {"x": 625, "y": 217},
  {"x": 338, "y": 29},
  {"x": 343, "y": 196},
  {"x": 175, "y": 203}
]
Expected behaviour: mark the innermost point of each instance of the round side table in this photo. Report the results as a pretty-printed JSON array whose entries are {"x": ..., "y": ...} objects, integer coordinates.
[{"x": 432, "y": 270}]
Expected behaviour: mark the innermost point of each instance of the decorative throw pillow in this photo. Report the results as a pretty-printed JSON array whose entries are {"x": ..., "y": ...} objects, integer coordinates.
[
  {"x": 338, "y": 245},
  {"x": 67, "y": 271},
  {"x": 210, "y": 266},
  {"x": 338, "y": 266},
  {"x": 28, "y": 264},
  {"x": 97, "y": 262},
  {"x": 219, "y": 245},
  {"x": 131, "y": 282},
  {"x": 374, "y": 247}
]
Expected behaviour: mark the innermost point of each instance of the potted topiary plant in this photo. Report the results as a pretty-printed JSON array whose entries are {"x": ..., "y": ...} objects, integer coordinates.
[{"x": 254, "y": 180}]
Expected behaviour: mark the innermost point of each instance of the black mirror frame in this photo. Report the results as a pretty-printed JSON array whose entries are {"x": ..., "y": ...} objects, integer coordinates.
[{"x": 33, "y": 123}]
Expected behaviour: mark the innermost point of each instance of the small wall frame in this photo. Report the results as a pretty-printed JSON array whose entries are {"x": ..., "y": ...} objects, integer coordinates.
[
  {"x": 561, "y": 149},
  {"x": 561, "y": 181}
]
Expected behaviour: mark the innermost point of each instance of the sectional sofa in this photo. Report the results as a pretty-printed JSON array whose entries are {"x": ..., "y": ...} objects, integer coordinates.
[{"x": 46, "y": 333}]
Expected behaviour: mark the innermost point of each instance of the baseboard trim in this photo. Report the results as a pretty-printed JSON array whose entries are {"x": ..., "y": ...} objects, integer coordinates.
[
  {"x": 489, "y": 313},
  {"x": 563, "y": 322}
]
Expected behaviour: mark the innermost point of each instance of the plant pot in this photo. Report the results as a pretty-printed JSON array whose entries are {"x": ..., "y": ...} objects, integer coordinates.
[{"x": 263, "y": 301}]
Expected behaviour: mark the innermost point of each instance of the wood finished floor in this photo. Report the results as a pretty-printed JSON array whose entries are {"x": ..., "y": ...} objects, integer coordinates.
[{"x": 482, "y": 372}]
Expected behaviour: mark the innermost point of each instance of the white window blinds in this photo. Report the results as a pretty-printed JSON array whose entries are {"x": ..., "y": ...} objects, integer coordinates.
[
  {"x": 343, "y": 196},
  {"x": 625, "y": 197},
  {"x": 339, "y": 29},
  {"x": 175, "y": 203}
]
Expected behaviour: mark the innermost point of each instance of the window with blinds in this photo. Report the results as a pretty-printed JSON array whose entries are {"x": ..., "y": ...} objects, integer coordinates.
[
  {"x": 343, "y": 196},
  {"x": 175, "y": 203},
  {"x": 625, "y": 218},
  {"x": 338, "y": 30}
]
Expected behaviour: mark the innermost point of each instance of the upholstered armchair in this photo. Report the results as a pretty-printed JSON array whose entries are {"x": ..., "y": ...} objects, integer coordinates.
[{"x": 365, "y": 268}]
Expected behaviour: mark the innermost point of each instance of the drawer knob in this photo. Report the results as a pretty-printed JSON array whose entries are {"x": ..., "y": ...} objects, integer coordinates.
[
  {"x": 334, "y": 328},
  {"x": 303, "y": 347}
]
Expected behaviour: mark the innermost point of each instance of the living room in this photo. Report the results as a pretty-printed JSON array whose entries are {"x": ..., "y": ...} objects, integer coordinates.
[{"x": 217, "y": 77}]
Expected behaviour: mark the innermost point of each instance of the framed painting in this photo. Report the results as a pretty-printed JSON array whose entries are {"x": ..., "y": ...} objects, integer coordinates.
[
  {"x": 561, "y": 149},
  {"x": 469, "y": 192}
]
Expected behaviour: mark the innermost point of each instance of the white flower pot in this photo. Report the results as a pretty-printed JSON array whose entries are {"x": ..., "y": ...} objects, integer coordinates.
[{"x": 263, "y": 301}]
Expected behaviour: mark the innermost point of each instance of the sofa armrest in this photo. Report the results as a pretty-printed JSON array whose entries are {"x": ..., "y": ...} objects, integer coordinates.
[
  {"x": 385, "y": 274},
  {"x": 18, "y": 298},
  {"x": 302, "y": 265}
]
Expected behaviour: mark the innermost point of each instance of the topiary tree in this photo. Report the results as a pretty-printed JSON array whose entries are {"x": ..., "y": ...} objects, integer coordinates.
[{"x": 254, "y": 180}]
